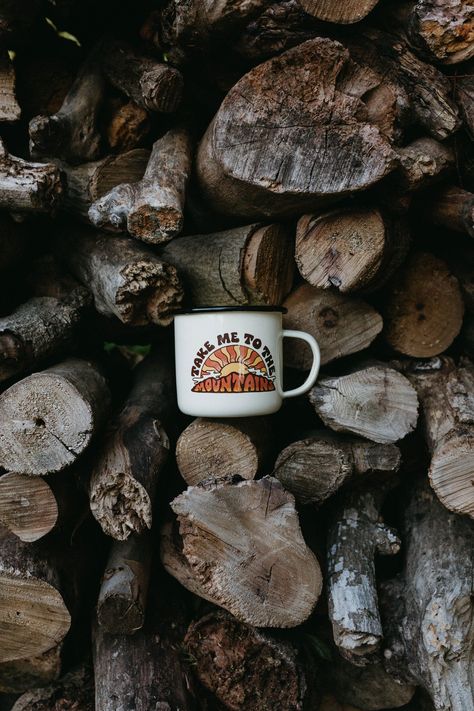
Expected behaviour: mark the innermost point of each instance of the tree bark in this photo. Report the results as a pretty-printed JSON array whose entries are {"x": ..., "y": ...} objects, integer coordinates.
[
  {"x": 75, "y": 690},
  {"x": 152, "y": 209},
  {"x": 48, "y": 419},
  {"x": 126, "y": 279},
  {"x": 128, "y": 126},
  {"x": 10, "y": 110},
  {"x": 260, "y": 568},
  {"x": 425, "y": 309},
  {"x": 338, "y": 11},
  {"x": 244, "y": 265},
  {"x": 126, "y": 473},
  {"x": 375, "y": 402},
  {"x": 341, "y": 325},
  {"x": 224, "y": 448}
]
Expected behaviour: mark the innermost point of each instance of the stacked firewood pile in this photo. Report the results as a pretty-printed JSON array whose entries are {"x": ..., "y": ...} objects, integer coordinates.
[{"x": 310, "y": 153}]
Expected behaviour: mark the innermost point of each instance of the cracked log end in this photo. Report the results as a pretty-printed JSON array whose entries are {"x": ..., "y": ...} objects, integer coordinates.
[
  {"x": 151, "y": 293},
  {"x": 452, "y": 472},
  {"x": 155, "y": 223},
  {"x": 121, "y": 505},
  {"x": 28, "y": 507},
  {"x": 162, "y": 88}
]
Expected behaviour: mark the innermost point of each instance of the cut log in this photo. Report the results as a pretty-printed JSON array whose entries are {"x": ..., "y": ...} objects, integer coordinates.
[
  {"x": 20, "y": 675},
  {"x": 308, "y": 156},
  {"x": 450, "y": 207},
  {"x": 224, "y": 448},
  {"x": 72, "y": 133},
  {"x": 422, "y": 163},
  {"x": 127, "y": 128},
  {"x": 150, "y": 84},
  {"x": 424, "y": 310},
  {"x": 75, "y": 690},
  {"x": 123, "y": 594},
  {"x": 314, "y": 468},
  {"x": 246, "y": 668},
  {"x": 245, "y": 265},
  {"x": 86, "y": 183},
  {"x": 48, "y": 419},
  {"x": 145, "y": 671},
  {"x": 38, "y": 329},
  {"x": 375, "y": 402},
  {"x": 14, "y": 242},
  {"x": 243, "y": 548},
  {"x": 125, "y": 475},
  {"x": 126, "y": 279},
  {"x": 28, "y": 187},
  {"x": 341, "y": 324},
  {"x": 151, "y": 210},
  {"x": 350, "y": 249},
  {"x": 337, "y": 10},
  {"x": 10, "y": 110},
  {"x": 33, "y": 615},
  {"x": 430, "y": 621},
  {"x": 355, "y": 536}
]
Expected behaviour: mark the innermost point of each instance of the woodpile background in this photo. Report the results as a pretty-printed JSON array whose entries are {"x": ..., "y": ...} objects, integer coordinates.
[{"x": 311, "y": 153}]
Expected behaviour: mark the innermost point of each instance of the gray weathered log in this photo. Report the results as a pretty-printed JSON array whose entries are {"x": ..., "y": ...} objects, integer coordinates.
[
  {"x": 10, "y": 110},
  {"x": 423, "y": 162},
  {"x": 48, "y": 419}
]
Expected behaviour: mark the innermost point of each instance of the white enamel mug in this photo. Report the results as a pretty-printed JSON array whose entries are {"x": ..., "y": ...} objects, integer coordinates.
[{"x": 229, "y": 361}]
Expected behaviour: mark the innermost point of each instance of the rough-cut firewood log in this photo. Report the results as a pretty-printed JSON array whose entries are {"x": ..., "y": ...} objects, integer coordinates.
[
  {"x": 20, "y": 675},
  {"x": 125, "y": 475},
  {"x": 429, "y": 622},
  {"x": 375, "y": 402},
  {"x": 33, "y": 615},
  {"x": 123, "y": 594},
  {"x": 223, "y": 448},
  {"x": 48, "y": 419},
  {"x": 244, "y": 265},
  {"x": 128, "y": 126},
  {"x": 75, "y": 690},
  {"x": 445, "y": 392},
  {"x": 72, "y": 133},
  {"x": 450, "y": 207},
  {"x": 308, "y": 156},
  {"x": 14, "y": 242},
  {"x": 242, "y": 548},
  {"x": 151, "y": 209},
  {"x": 341, "y": 324},
  {"x": 424, "y": 310},
  {"x": 126, "y": 279},
  {"x": 351, "y": 249},
  {"x": 145, "y": 671},
  {"x": 10, "y": 110},
  {"x": 314, "y": 468},
  {"x": 422, "y": 162},
  {"x": 38, "y": 329},
  {"x": 86, "y": 183},
  {"x": 340, "y": 11},
  {"x": 28, "y": 187},
  {"x": 150, "y": 84},
  {"x": 247, "y": 668},
  {"x": 355, "y": 536}
]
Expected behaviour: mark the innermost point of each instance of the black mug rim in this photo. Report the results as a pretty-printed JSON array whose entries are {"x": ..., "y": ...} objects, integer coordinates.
[{"x": 214, "y": 309}]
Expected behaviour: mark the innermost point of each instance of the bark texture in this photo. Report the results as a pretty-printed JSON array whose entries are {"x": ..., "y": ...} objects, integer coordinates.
[
  {"x": 73, "y": 692},
  {"x": 10, "y": 110}
]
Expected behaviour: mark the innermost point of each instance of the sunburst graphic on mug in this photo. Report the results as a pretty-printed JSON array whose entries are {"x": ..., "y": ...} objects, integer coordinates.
[{"x": 234, "y": 369}]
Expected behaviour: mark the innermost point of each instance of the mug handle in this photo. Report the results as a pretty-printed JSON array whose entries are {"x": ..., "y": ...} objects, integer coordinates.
[{"x": 313, "y": 373}]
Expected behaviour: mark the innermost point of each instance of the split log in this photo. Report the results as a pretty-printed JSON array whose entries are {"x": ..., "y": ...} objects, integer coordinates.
[
  {"x": 10, "y": 110},
  {"x": 341, "y": 324},
  {"x": 430, "y": 633},
  {"x": 337, "y": 10},
  {"x": 244, "y": 667},
  {"x": 75, "y": 690},
  {"x": 126, "y": 279},
  {"x": 314, "y": 468},
  {"x": 126, "y": 473},
  {"x": 88, "y": 182},
  {"x": 127, "y": 128},
  {"x": 152, "y": 209},
  {"x": 445, "y": 393},
  {"x": 72, "y": 134},
  {"x": 33, "y": 615},
  {"x": 242, "y": 549},
  {"x": 375, "y": 402},
  {"x": 352, "y": 249},
  {"x": 145, "y": 670},
  {"x": 355, "y": 536},
  {"x": 425, "y": 309},
  {"x": 224, "y": 448},
  {"x": 123, "y": 594},
  {"x": 48, "y": 419},
  {"x": 150, "y": 84},
  {"x": 28, "y": 187},
  {"x": 308, "y": 157},
  {"x": 244, "y": 265},
  {"x": 38, "y": 329},
  {"x": 14, "y": 242},
  {"x": 450, "y": 207},
  {"x": 20, "y": 675}
]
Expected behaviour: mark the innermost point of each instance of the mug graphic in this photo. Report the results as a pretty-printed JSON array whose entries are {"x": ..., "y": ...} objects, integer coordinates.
[{"x": 229, "y": 361}]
